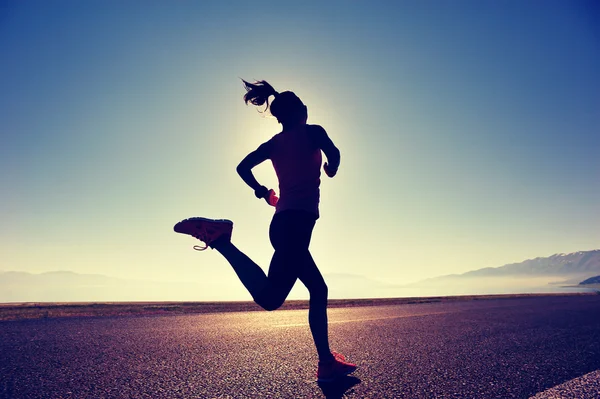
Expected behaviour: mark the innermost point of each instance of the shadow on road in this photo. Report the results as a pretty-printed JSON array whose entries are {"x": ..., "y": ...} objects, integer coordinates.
[{"x": 337, "y": 388}]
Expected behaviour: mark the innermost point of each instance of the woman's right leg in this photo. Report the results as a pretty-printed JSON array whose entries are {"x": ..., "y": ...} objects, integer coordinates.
[{"x": 311, "y": 277}]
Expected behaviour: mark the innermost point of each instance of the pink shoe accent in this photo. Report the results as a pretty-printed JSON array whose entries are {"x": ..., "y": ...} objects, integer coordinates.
[{"x": 338, "y": 367}]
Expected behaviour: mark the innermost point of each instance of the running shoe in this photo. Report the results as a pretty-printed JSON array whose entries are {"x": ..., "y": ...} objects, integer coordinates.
[
  {"x": 338, "y": 356},
  {"x": 205, "y": 230},
  {"x": 336, "y": 368}
]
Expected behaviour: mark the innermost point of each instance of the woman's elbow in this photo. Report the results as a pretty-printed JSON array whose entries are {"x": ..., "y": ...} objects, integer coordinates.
[{"x": 242, "y": 169}]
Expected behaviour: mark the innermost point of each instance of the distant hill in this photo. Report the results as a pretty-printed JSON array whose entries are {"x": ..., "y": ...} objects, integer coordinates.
[
  {"x": 591, "y": 280},
  {"x": 67, "y": 286},
  {"x": 577, "y": 263},
  {"x": 532, "y": 275}
]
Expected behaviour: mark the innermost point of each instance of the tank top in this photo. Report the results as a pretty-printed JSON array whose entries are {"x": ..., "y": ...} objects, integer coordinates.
[{"x": 296, "y": 159}]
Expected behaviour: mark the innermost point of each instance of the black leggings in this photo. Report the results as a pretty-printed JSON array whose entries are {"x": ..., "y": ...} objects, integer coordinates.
[{"x": 290, "y": 234}]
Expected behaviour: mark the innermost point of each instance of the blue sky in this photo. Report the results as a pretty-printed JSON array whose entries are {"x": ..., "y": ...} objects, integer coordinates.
[{"x": 469, "y": 132}]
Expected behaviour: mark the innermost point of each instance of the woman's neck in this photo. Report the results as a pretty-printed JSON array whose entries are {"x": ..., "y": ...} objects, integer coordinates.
[{"x": 294, "y": 126}]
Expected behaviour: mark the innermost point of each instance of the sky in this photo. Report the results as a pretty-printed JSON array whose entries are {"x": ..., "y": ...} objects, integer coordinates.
[{"x": 469, "y": 133}]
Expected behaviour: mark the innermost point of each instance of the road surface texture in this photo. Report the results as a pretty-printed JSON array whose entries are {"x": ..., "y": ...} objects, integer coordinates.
[{"x": 495, "y": 348}]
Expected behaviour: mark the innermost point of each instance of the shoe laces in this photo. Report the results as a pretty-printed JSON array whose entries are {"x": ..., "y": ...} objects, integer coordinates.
[{"x": 202, "y": 237}]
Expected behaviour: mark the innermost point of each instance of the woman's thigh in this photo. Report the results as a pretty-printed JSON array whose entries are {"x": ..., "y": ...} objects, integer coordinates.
[
  {"x": 291, "y": 231},
  {"x": 290, "y": 234}
]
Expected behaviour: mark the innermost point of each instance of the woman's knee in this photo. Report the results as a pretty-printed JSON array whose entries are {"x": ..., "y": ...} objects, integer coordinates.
[
  {"x": 271, "y": 305},
  {"x": 269, "y": 302}
]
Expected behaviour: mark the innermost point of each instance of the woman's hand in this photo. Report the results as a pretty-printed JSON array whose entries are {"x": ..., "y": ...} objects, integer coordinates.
[
  {"x": 329, "y": 171},
  {"x": 267, "y": 194},
  {"x": 272, "y": 198}
]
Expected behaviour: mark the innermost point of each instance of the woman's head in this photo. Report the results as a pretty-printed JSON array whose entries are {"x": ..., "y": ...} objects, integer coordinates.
[{"x": 286, "y": 106}]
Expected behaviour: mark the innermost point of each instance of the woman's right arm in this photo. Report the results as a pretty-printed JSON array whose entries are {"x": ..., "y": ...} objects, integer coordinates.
[{"x": 331, "y": 151}]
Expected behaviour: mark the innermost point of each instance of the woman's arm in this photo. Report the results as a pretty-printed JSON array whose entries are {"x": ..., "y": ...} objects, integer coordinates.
[
  {"x": 244, "y": 169},
  {"x": 331, "y": 151}
]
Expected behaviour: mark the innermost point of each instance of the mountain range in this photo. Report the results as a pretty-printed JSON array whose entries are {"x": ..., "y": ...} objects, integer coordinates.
[
  {"x": 582, "y": 263},
  {"x": 547, "y": 274},
  {"x": 591, "y": 280},
  {"x": 543, "y": 274}
]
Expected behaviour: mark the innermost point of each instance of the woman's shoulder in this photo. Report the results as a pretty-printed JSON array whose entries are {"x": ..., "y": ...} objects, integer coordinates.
[
  {"x": 317, "y": 133},
  {"x": 315, "y": 128},
  {"x": 275, "y": 137}
]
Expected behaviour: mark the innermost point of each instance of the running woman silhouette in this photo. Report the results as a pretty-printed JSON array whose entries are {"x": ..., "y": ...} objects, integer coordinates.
[{"x": 295, "y": 153}]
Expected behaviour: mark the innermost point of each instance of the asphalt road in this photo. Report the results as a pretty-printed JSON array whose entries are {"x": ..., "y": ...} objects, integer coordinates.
[{"x": 500, "y": 348}]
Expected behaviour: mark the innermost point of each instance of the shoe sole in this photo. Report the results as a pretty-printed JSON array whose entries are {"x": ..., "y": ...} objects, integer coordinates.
[{"x": 200, "y": 219}]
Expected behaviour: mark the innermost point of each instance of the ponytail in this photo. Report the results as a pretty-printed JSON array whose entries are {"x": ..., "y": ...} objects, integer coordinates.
[
  {"x": 258, "y": 93},
  {"x": 286, "y": 107}
]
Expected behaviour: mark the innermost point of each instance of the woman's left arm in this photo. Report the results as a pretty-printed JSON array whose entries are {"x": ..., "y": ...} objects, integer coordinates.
[{"x": 244, "y": 169}]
